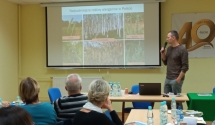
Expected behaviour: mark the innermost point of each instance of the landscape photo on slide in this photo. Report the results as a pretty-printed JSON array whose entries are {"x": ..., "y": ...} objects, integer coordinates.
[
  {"x": 134, "y": 52},
  {"x": 134, "y": 23},
  {"x": 72, "y": 25},
  {"x": 103, "y": 53},
  {"x": 103, "y": 26},
  {"x": 72, "y": 53}
]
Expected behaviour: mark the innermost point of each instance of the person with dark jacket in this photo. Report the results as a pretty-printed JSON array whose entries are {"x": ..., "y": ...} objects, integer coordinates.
[{"x": 91, "y": 113}]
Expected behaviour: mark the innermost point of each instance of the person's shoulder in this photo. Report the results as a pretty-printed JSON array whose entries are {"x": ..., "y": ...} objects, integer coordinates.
[
  {"x": 24, "y": 106},
  {"x": 98, "y": 115},
  {"x": 89, "y": 114},
  {"x": 84, "y": 95},
  {"x": 79, "y": 99},
  {"x": 182, "y": 47},
  {"x": 42, "y": 105},
  {"x": 46, "y": 104}
]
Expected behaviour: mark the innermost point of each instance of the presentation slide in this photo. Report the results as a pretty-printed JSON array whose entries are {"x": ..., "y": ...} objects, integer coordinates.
[{"x": 102, "y": 35}]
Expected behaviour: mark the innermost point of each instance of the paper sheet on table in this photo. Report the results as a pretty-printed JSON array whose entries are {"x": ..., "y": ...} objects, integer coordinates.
[
  {"x": 199, "y": 120},
  {"x": 135, "y": 123}
]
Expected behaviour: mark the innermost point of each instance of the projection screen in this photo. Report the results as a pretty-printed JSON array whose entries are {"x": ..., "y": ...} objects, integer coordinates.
[{"x": 103, "y": 34}]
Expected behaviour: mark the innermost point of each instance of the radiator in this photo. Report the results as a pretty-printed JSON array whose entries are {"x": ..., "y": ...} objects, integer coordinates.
[{"x": 59, "y": 82}]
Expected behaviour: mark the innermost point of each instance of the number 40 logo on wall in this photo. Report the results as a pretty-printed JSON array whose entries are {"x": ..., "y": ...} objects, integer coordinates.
[{"x": 202, "y": 33}]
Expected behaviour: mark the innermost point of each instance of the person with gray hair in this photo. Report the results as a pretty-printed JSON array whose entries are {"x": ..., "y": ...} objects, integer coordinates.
[
  {"x": 73, "y": 84},
  {"x": 67, "y": 106},
  {"x": 91, "y": 113}
]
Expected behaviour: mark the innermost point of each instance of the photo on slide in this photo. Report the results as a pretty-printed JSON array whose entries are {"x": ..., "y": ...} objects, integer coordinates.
[
  {"x": 134, "y": 25},
  {"x": 103, "y": 26},
  {"x": 72, "y": 53},
  {"x": 72, "y": 27},
  {"x": 134, "y": 52},
  {"x": 103, "y": 53}
]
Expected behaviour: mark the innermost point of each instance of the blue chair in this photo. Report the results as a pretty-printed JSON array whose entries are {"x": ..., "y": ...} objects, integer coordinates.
[
  {"x": 214, "y": 90},
  {"x": 137, "y": 105},
  {"x": 54, "y": 93}
]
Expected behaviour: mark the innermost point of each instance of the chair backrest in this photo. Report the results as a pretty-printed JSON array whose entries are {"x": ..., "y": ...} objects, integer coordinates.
[
  {"x": 54, "y": 93},
  {"x": 139, "y": 105},
  {"x": 214, "y": 90},
  {"x": 59, "y": 123},
  {"x": 190, "y": 121},
  {"x": 135, "y": 89}
]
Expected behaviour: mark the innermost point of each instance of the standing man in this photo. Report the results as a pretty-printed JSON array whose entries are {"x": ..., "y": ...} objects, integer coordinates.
[{"x": 176, "y": 60}]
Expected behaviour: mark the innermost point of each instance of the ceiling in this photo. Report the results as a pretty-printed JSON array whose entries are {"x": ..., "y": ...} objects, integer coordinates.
[
  {"x": 60, "y": 1},
  {"x": 46, "y": 1}
]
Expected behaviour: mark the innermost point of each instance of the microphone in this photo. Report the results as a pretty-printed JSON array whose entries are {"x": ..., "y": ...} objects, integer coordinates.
[{"x": 164, "y": 46}]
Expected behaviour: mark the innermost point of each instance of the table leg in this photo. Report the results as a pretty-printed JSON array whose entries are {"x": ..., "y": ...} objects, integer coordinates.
[
  {"x": 153, "y": 103},
  {"x": 123, "y": 106}
]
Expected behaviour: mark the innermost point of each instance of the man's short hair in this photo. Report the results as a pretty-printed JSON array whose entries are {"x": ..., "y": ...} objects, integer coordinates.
[
  {"x": 73, "y": 86},
  {"x": 174, "y": 33}
]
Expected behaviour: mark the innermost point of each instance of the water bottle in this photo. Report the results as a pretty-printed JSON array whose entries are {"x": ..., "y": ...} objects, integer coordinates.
[
  {"x": 18, "y": 102},
  {"x": 119, "y": 89},
  {"x": 165, "y": 113},
  {"x": 150, "y": 116},
  {"x": 173, "y": 109},
  {"x": 180, "y": 115},
  {"x": 111, "y": 89},
  {"x": 114, "y": 89},
  {"x": 1, "y": 105},
  {"x": 162, "y": 114},
  {"x": 213, "y": 123},
  {"x": 165, "y": 107}
]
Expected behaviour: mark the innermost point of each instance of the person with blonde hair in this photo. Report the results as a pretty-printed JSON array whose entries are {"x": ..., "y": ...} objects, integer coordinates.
[
  {"x": 42, "y": 113},
  {"x": 91, "y": 113}
]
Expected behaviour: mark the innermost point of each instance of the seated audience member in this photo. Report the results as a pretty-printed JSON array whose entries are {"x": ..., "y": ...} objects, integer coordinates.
[
  {"x": 14, "y": 115},
  {"x": 67, "y": 106},
  {"x": 5, "y": 103},
  {"x": 91, "y": 113},
  {"x": 42, "y": 113}
]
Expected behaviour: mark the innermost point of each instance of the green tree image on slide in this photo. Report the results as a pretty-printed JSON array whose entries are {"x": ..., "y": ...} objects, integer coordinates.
[
  {"x": 103, "y": 26},
  {"x": 72, "y": 25},
  {"x": 134, "y": 51},
  {"x": 134, "y": 23},
  {"x": 73, "y": 52},
  {"x": 103, "y": 53}
]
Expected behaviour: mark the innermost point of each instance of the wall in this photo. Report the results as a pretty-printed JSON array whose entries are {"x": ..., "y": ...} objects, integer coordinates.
[
  {"x": 8, "y": 50},
  {"x": 198, "y": 79}
]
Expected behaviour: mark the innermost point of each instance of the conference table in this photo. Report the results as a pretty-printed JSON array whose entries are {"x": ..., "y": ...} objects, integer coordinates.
[
  {"x": 205, "y": 104},
  {"x": 135, "y": 116},
  {"x": 140, "y": 98}
]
